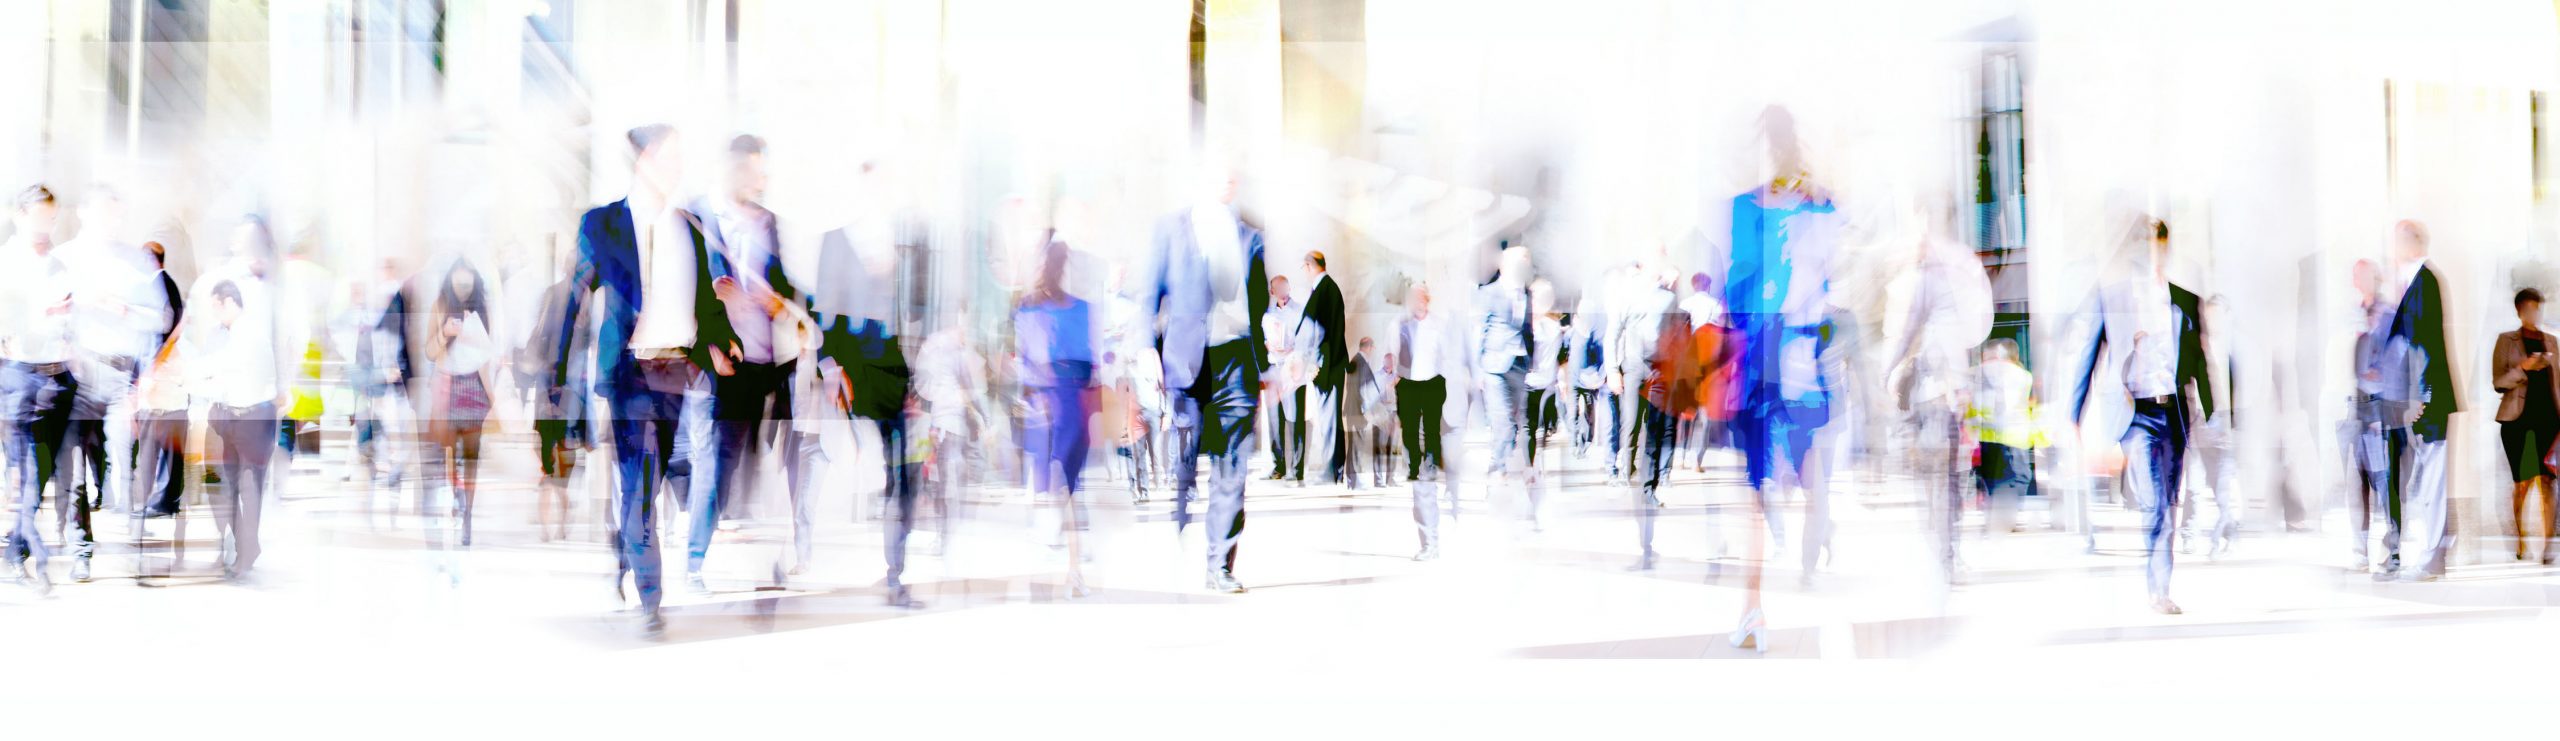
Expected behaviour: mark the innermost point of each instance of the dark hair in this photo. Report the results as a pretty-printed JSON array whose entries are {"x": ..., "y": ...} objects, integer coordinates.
[
  {"x": 646, "y": 137},
  {"x": 2527, "y": 295},
  {"x": 228, "y": 291},
  {"x": 1316, "y": 257},
  {"x": 33, "y": 195},
  {"x": 451, "y": 303},
  {"x": 2159, "y": 229},
  {"x": 746, "y": 145}
]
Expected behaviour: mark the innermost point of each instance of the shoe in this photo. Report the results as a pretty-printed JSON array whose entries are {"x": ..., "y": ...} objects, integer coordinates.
[
  {"x": 1428, "y": 554},
  {"x": 694, "y": 582},
  {"x": 2163, "y": 606},
  {"x": 1643, "y": 563},
  {"x": 653, "y": 626},
  {"x": 1748, "y": 635},
  {"x": 80, "y": 571},
  {"x": 2546, "y": 558},
  {"x": 902, "y": 599},
  {"x": 35, "y": 579},
  {"x": 2390, "y": 569},
  {"x": 1221, "y": 581}
]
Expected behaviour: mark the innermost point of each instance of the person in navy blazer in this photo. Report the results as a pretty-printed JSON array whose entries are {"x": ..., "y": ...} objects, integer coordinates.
[
  {"x": 1202, "y": 294},
  {"x": 642, "y": 381},
  {"x": 2165, "y": 378},
  {"x": 2413, "y": 367}
]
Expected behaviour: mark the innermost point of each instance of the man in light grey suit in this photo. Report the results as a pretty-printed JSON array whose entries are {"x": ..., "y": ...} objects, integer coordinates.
[{"x": 1201, "y": 294}]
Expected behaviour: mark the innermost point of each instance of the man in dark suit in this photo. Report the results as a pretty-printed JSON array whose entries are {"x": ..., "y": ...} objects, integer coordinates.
[
  {"x": 854, "y": 304},
  {"x": 1202, "y": 294},
  {"x": 2152, "y": 329},
  {"x": 2415, "y": 375},
  {"x": 649, "y": 263},
  {"x": 1320, "y": 340}
]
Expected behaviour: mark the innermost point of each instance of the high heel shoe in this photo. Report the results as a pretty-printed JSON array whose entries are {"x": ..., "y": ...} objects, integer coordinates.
[{"x": 1749, "y": 635}]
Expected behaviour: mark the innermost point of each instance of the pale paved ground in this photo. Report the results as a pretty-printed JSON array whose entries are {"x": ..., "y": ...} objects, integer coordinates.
[{"x": 355, "y": 625}]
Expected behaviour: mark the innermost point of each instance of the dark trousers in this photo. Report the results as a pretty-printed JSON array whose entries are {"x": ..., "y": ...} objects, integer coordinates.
[
  {"x": 1418, "y": 411},
  {"x": 1320, "y": 429},
  {"x": 740, "y": 404},
  {"x": 160, "y": 460},
  {"x": 37, "y": 401},
  {"x": 900, "y": 476},
  {"x": 1651, "y": 441},
  {"x": 248, "y": 437},
  {"x": 645, "y": 415},
  {"x": 2160, "y": 431}
]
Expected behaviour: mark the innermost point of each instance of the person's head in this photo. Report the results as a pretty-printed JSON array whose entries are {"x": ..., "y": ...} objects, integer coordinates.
[
  {"x": 1218, "y": 181},
  {"x": 746, "y": 168},
  {"x": 1778, "y": 130},
  {"x": 657, "y": 160},
  {"x": 2409, "y": 240},
  {"x": 1367, "y": 344},
  {"x": 463, "y": 283},
  {"x": 1052, "y": 280},
  {"x": 2003, "y": 350},
  {"x": 2529, "y": 307},
  {"x": 1542, "y": 297},
  {"x": 2367, "y": 277},
  {"x": 102, "y": 212},
  {"x": 1315, "y": 263},
  {"x": 1515, "y": 263},
  {"x": 226, "y": 302},
  {"x": 159, "y": 253},
  {"x": 1279, "y": 290},
  {"x": 36, "y": 212},
  {"x": 252, "y": 243},
  {"x": 1418, "y": 300}
]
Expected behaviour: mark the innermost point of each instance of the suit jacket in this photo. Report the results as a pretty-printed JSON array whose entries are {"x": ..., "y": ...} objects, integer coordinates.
[
  {"x": 1178, "y": 298},
  {"x": 772, "y": 271},
  {"x": 856, "y": 311},
  {"x": 609, "y": 264},
  {"x": 1502, "y": 328},
  {"x": 2415, "y": 363},
  {"x": 1325, "y": 309},
  {"x": 2193, "y": 388},
  {"x": 2503, "y": 365}
]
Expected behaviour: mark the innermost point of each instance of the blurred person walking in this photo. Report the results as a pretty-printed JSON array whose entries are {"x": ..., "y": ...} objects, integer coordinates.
[
  {"x": 2217, "y": 440},
  {"x": 1053, "y": 335},
  {"x": 1931, "y": 374},
  {"x": 1649, "y": 343},
  {"x": 37, "y": 387},
  {"x": 1429, "y": 349},
  {"x": 118, "y": 313},
  {"x": 762, "y": 307},
  {"x": 853, "y": 302},
  {"x": 2369, "y": 456},
  {"x": 2150, "y": 340},
  {"x": 2418, "y": 401},
  {"x": 1284, "y": 391},
  {"x": 461, "y": 347},
  {"x": 240, "y": 367},
  {"x": 1202, "y": 288},
  {"x": 647, "y": 265},
  {"x": 1777, "y": 298}
]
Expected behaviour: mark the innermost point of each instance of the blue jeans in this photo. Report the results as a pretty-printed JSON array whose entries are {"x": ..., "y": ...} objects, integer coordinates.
[
  {"x": 2160, "y": 431},
  {"x": 740, "y": 404},
  {"x": 1506, "y": 403},
  {"x": 644, "y": 443},
  {"x": 38, "y": 405}
]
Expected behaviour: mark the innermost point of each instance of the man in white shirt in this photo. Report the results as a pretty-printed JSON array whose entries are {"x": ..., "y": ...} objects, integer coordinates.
[
  {"x": 661, "y": 328},
  {"x": 237, "y": 366},
  {"x": 1429, "y": 353},
  {"x": 1286, "y": 427},
  {"x": 2155, "y": 323},
  {"x": 36, "y": 384},
  {"x": 1204, "y": 267}
]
